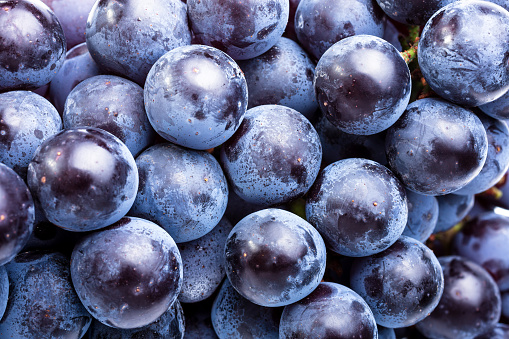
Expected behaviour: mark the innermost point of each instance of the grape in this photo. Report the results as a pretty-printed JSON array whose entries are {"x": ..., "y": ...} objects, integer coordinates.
[
  {"x": 386, "y": 333},
  {"x": 117, "y": 108},
  {"x": 127, "y": 37},
  {"x": 402, "y": 284},
  {"x": 358, "y": 206},
  {"x": 83, "y": 178},
  {"x": 4, "y": 290},
  {"x": 203, "y": 263},
  {"x": 412, "y": 12},
  {"x": 78, "y": 66},
  {"x": 470, "y": 304},
  {"x": 499, "y": 108},
  {"x": 274, "y": 157},
  {"x": 330, "y": 311},
  {"x": 242, "y": 29},
  {"x": 500, "y": 331},
  {"x": 198, "y": 320},
  {"x": 26, "y": 121},
  {"x": 235, "y": 317},
  {"x": 423, "y": 213},
  {"x": 42, "y": 302},
  {"x": 17, "y": 214},
  {"x": 283, "y": 76},
  {"x": 196, "y": 96},
  {"x": 33, "y": 44},
  {"x": 319, "y": 24},
  {"x": 462, "y": 52},
  {"x": 362, "y": 84},
  {"x": 274, "y": 258},
  {"x": 484, "y": 240},
  {"x": 436, "y": 147},
  {"x": 182, "y": 190},
  {"x": 128, "y": 274},
  {"x": 452, "y": 209}
]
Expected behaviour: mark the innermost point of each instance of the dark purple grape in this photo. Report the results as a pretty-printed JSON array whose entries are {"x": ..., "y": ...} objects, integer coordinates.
[
  {"x": 470, "y": 304},
  {"x": 83, "y": 178},
  {"x": 358, "y": 206},
  {"x": 42, "y": 302},
  {"x": 127, "y": 37},
  {"x": 362, "y": 84},
  {"x": 198, "y": 320},
  {"x": 117, "y": 107},
  {"x": 498, "y": 109},
  {"x": 330, "y": 311},
  {"x": 274, "y": 258},
  {"x": 436, "y": 147},
  {"x": 500, "y": 331},
  {"x": 392, "y": 34},
  {"x": 386, "y": 333},
  {"x": 128, "y": 274},
  {"x": 412, "y": 12},
  {"x": 72, "y": 15},
  {"x": 203, "y": 263},
  {"x": 402, "y": 284},
  {"x": 484, "y": 240},
  {"x": 170, "y": 325},
  {"x": 463, "y": 52},
  {"x": 78, "y": 66},
  {"x": 182, "y": 190},
  {"x": 497, "y": 160},
  {"x": 422, "y": 216},
  {"x": 235, "y": 317},
  {"x": 274, "y": 157},
  {"x": 319, "y": 24},
  {"x": 17, "y": 214},
  {"x": 282, "y": 76},
  {"x": 452, "y": 209},
  {"x": 242, "y": 29},
  {"x": 26, "y": 120},
  {"x": 32, "y": 44},
  {"x": 196, "y": 96}
]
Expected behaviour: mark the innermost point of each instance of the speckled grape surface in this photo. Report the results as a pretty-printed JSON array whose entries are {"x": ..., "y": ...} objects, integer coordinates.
[
  {"x": 182, "y": 190},
  {"x": 127, "y": 275},
  {"x": 274, "y": 258},
  {"x": 127, "y": 37},
  {"x": 33, "y": 45},
  {"x": 84, "y": 179},
  {"x": 203, "y": 263},
  {"x": 26, "y": 120},
  {"x": 422, "y": 216},
  {"x": 243, "y": 30},
  {"x": 463, "y": 52},
  {"x": 117, "y": 107},
  {"x": 171, "y": 325},
  {"x": 436, "y": 147},
  {"x": 274, "y": 157},
  {"x": 412, "y": 12},
  {"x": 42, "y": 302},
  {"x": 283, "y": 76},
  {"x": 330, "y": 311},
  {"x": 402, "y": 284},
  {"x": 234, "y": 317},
  {"x": 321, "y": 23},
  {"x": 358, "y": 206},
  {"x": 196, "y": 96},
  {"x": 470, "y": 304},
  {"x": 17, "y": 214},
  {"x": 362, "y": 84}
]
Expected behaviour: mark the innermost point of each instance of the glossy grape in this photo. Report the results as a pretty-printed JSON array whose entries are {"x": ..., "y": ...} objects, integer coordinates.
[
  {"x": 462, "y": 52},
  {"x": 26, "y": 121},
  {"x": 358, "y": 206},
  {"x": 362, "y": 84},
  {"x": 127, "y": 275},
  {"x": 274, "y": 157},
  {"x": 436, "y": 147},
  {"x": 500, "y": 331},
  {"x": 196, "y": 96},
  {"x": 274, "y": 258},
  {"x": 452, "y": 209},
  {"x": 498, "y": 109},
  {"x": 330, "y": 311},
  {"x": 84, "y": 179},
  {"x": 412, "y": 12},
  {"x": 470, "y": 304},
  {"x": 33, "y": 44},
  {"x": 182, "y": 190},
  {"x": 117, "y": 108},
  {"x": 402, "y": 284},
  {"x": 423, "y": 213}
]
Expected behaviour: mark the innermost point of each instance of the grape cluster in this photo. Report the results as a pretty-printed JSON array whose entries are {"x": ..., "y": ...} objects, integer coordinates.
[{"x": 254, "y": 169}]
